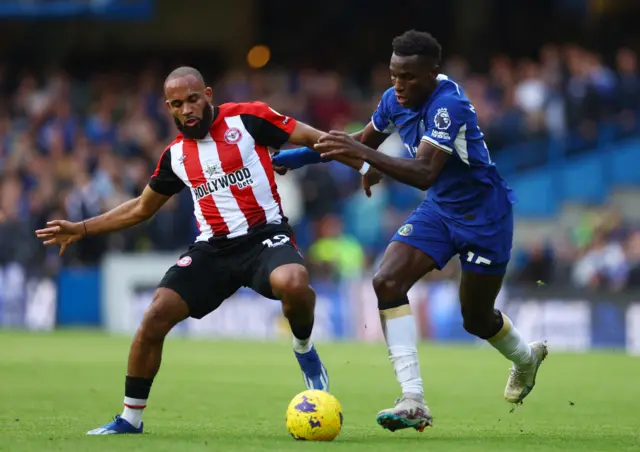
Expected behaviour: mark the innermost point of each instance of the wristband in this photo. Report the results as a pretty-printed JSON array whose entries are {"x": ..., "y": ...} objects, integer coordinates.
[{"x": 364, "y": 168}]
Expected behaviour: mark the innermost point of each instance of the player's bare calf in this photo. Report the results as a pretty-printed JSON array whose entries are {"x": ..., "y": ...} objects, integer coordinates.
[
  {"x": 166, "y": 310},
  {"x": 290, "y": 284}
]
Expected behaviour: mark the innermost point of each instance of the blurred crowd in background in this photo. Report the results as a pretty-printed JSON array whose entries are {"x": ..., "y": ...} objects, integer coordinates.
[{"x": 74, "y": 147}]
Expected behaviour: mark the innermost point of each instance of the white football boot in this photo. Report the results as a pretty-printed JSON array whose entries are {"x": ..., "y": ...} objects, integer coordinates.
[
  {"x": 522, "y": 379},
  {"x": 410, "y": 411}
]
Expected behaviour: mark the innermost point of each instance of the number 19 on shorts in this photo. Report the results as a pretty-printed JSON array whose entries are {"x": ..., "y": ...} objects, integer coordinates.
[{"x": 276, "y": 240}]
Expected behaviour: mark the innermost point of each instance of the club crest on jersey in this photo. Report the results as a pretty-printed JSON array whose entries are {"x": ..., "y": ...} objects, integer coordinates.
[
  {"x": 184, "y": 261},
  {"x": 232, "y": 135},
  {"x": 442, "y": 119},
  {"x": 405, "y": 230},
  {"x": 213, "y": 169}
]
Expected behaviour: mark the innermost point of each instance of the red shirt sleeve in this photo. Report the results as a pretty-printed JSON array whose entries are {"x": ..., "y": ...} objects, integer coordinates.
[{"x": 267, "y": 126}]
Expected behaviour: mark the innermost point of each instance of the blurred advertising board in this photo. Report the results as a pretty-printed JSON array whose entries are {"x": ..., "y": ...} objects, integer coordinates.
[
  {"x": 568, "y": 320},
  {"x": 26, "y": 301},
  {"x": 116, "y": 295}
]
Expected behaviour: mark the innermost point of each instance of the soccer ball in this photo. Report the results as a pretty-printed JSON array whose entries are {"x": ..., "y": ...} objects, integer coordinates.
[{"x": 315, "y": 416}]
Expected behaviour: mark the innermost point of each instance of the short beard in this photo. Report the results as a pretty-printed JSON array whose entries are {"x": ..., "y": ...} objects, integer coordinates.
[{"x": 201, "y": 129}]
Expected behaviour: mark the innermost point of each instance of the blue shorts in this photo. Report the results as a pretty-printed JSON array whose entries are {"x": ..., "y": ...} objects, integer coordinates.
[{"x": 482, "y": 249}]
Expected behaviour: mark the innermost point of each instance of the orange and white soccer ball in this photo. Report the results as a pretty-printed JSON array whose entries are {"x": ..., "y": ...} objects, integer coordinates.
[{"x": 315, "y": 416}]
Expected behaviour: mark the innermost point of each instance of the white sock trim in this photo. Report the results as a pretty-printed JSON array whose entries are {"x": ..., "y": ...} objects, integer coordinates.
[
  {"x": 133, "y": 409},
  {"x": 302, "y": 346},
  {"x": 512, "y": 345},
  {"x": 135, "y": 404}
]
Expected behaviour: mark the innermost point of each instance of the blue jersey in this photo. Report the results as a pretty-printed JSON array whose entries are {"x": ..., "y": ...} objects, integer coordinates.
[{"x": 469, "y": 188}]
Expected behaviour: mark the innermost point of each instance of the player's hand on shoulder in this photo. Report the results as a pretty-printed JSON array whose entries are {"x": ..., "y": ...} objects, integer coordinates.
[
  {"x": 371, "y": 178},
  {"x": 61, "y": 232}
]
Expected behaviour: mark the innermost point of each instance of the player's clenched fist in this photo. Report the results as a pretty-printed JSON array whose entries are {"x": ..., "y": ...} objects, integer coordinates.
[
  {"x": 61, "y": 232},
  {"x": 281, "y": 170}
]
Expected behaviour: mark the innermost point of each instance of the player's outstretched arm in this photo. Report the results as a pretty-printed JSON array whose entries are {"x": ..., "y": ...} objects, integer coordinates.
[
  {"x": 307, "y": 136},
  {"x": 310, "y": 136},
  {"x": 299, "y": 157},
  {"x": 272, "y": 129},
  {"x": 420, "y": 172},
  {"x": 130, "y": 213}
]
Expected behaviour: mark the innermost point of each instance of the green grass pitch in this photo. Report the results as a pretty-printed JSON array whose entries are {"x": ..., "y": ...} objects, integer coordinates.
[{"x": 232, "y": 396}]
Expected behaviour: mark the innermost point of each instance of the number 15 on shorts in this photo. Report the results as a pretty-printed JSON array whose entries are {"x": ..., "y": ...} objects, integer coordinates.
[{"x": 471, "y": 257}]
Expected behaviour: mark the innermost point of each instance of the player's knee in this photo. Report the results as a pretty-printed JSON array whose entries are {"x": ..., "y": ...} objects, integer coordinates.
[
  {"x": 290, "y": 283},
  {"x": 388, "y": 288},
  {"x": 154, "y": 326},
  {"x": 166, "y": 310},
  {"x": 479, "y": 323}
]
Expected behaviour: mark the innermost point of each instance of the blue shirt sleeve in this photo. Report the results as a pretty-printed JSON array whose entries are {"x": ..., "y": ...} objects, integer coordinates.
[
  {"x": 297, "y": 158},
  {"x": 382, "y": 120},
  {"x": 445, "y": 123}
]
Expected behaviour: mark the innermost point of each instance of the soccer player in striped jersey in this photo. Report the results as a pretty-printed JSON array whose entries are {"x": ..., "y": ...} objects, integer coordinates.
[
  {"x": 467, "y": 211},
  {"x": 221, "y": 156}
]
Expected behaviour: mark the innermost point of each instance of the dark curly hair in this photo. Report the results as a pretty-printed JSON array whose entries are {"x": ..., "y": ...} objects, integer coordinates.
[{"x": 415, "y": 42}]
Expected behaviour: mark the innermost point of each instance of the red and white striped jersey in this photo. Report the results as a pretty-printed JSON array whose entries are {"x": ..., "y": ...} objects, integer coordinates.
[{"x": 229, "y": 172}]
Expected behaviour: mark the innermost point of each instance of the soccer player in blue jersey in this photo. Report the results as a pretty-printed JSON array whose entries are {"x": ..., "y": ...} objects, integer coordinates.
[{"x": 467, "y": 211}]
